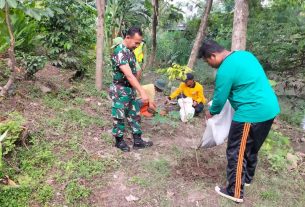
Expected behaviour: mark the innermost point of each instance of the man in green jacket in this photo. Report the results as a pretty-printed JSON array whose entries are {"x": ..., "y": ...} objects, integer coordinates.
[{"x": 241, "y": 79}]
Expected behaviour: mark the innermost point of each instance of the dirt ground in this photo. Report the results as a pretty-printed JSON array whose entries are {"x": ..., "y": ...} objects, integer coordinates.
[{"x": 171, "y": 173}]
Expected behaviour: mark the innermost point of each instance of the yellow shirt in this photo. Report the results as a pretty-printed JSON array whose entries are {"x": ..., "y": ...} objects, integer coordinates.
[
  {"x": 150, "y": 92},
  {"x": 196, "y": 93},
  {"x": 139, "y": 53}
]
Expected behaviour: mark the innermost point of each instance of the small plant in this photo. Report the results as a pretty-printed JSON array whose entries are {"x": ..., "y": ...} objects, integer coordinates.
[
  {"x": 139, "y": 181},
  {"x": 159, "y": 167},
  {"x": 175, "y": 72},
  {"x": 45, "y": 194},
  {"x": 32, "y": 64},
  {"x": 75, "y": 192},
  {"x": 13, "y": 127},
  {"x": 269, "y": 195},
  {"x": 275, "y": 148}
]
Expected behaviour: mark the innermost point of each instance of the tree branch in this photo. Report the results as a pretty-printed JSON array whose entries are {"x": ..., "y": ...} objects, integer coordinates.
[{"x": 11, "y": 54}]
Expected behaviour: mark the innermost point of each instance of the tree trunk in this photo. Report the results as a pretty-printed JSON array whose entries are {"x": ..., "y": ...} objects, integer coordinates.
[
  {"x": 11, "y": 54},
  {"x": 100, "y": 5},
  {"x": 155, "y": 4},
  {"x": 200, "y": 34},
  {"x": 239, "y": 35}
]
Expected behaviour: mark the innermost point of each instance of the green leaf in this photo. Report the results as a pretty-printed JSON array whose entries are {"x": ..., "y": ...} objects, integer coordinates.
[
  {"x": 33, "y": 13},
  {"x": 2, "y": 4},
  {"x": 12, "y": 3}
]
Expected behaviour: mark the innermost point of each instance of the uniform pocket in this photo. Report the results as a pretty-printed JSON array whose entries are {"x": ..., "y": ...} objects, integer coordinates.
[{"x": 117, "y": 110}]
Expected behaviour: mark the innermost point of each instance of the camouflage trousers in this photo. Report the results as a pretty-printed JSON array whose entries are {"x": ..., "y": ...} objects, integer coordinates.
[{"x": 124, "y": 106}]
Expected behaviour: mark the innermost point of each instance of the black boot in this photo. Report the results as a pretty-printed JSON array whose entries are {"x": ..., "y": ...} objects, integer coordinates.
[
  {"x": 121, "y": 144},
  {"x": 139, "y": 143}
]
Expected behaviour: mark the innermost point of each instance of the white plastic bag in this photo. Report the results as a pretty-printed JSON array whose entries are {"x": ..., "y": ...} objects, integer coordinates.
[
  {"x": 218, "y": 127},
  {"x": 186, "y": 109}
]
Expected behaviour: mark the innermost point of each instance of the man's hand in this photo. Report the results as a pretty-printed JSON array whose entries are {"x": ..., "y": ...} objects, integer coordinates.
[
  {"x": 152, "y": 105},
  {"x": 208, "y": 115},
  {"x": 144, "y": 97}
]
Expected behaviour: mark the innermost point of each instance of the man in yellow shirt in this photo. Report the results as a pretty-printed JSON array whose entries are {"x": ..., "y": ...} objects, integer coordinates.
[{"x": 191, "y": 88}]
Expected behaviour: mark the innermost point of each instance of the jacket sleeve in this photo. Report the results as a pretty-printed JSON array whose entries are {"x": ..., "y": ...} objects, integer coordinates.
[
  {"x": 223, "y": 87},
  {"x": 177, "y": 91}
]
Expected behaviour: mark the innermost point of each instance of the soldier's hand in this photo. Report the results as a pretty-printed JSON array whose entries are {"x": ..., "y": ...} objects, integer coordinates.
[{"x": 144, "y": 98}]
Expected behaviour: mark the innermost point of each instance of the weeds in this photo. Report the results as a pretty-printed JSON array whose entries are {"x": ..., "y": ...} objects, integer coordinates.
[
  {"x": 75, "y": 192},
  {"x": 275, "y": 148}
]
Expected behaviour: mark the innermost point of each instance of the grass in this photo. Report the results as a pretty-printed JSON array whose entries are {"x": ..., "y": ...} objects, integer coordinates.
[
  {"x": 108, "y": 138},
  {"x": 45, "y": 193},
  {"x": 76, "y": 172},
  {"x": 275, "y": 149},
  {"x": 75, "y": 193},
  {"x": 33, "y": 165},
  {"x": 143, "y": 182},
  {"x": 47, "y": 158},
  {"x": 15, "y": 197}
]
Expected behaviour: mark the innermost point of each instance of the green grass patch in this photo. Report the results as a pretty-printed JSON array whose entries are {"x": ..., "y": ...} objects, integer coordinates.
[
  {"x": 269, "y": 195},
  {"x": 31, "y": 166},
  {"x": 45, "y": 194},
  {"x": 53, "y": 102},
  {"x": 159, "y": 168},
  {"x": 143, "y": 182},
  {"x": 75, "y": 193},
  {"x": 172, "y": 118},
  {"x": 78, "y": 117},
  {"x": 15, "y": 197},
  {"x": 108, "y": 138},
  {"x": 275, "y": 149}
]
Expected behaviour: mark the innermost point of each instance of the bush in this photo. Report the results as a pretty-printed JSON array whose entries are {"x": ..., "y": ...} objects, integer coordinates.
[
  {"x": 173, "y": 47},
  {"x": 276, "y": 148},
  {"x": 14, "y": 126},
  {"x": 32, "y": 64}
]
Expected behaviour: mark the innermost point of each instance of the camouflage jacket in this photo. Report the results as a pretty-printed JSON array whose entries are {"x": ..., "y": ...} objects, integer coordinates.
[{"x": 122, "y": 56}]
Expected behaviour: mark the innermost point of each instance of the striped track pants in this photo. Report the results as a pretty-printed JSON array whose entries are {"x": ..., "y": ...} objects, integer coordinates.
[{"x": 244, "y": 142}]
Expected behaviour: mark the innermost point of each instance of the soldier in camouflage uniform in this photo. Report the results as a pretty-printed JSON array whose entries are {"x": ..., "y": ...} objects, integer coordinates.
[{"x": 122, "y": 91}]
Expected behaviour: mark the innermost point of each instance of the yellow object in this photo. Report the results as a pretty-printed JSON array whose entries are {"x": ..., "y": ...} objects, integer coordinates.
[
  {"x": 150, "y": 92},
  {"x": 139, "y": 53},
  {"x": 196, "y": 93}
]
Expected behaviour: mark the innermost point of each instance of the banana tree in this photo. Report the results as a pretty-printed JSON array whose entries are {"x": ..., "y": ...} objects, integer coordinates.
[{"x": 121, "y": 14}]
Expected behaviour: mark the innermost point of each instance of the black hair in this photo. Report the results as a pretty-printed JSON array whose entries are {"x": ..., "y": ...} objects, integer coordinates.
[
  {"x": 208, "y": 47},
  {"x": 132, "y": 31}
]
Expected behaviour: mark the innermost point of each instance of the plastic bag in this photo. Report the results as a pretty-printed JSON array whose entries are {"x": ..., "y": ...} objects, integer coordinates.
[
  {"x": 218, "y": 127},
  {"x": 186, "y": 109}
]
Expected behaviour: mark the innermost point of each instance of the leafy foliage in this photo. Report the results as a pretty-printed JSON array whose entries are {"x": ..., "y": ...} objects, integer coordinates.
[
  {"x": 175, "y": 72},
  {"x": 14, "y": 126},
  {"x": 65, "y": 38},
  {"x": 275, "y": 148},
  {"x": 31, "y": 63},
  {"x": 24, "y": 16},
  {"x": 173, "y": 47}
]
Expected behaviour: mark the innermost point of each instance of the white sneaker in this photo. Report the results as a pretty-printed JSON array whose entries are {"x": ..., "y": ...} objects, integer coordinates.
[
  {"x": 223, "y": 192},
  {"x": 247, "y": 184}
]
